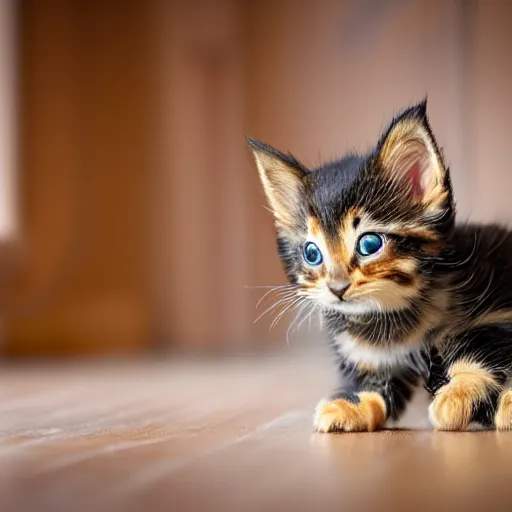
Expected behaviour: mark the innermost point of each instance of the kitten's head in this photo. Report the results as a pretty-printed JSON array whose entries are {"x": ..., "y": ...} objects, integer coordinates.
[{"x": 360, "y": 234}]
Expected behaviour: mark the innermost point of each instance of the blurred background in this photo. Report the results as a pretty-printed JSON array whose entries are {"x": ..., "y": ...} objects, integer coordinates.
[{"x": 131, "y": 215}]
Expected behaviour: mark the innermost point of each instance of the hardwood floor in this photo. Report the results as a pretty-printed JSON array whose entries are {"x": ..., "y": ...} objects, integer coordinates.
[{"x": 231, "y": 435}]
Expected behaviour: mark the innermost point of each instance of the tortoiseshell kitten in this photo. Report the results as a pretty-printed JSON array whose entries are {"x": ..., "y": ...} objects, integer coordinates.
[{"x": 407, "y": 296}]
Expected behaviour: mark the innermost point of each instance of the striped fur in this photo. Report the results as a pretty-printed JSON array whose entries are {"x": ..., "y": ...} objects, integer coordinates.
[{"x": 433, "y": 306}]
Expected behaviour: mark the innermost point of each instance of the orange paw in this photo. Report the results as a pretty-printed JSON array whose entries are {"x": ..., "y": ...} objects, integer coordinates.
[
  {"x": 345, "y": 416},
  {"x": 503, "y": 417},
  {"x": 453, "y": 405},
  {"x": 451, "y": 409}
]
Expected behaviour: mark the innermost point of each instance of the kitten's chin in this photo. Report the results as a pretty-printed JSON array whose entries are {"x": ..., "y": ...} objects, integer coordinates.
[{"x": 353, "y": 308}]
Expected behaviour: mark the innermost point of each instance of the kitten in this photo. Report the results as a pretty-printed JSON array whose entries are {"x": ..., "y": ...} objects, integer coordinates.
[{"x": 408, "y": 296}]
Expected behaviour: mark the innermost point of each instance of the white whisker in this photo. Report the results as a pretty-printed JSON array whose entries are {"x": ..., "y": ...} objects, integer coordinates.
[
  {"x": 294, "y": 303},
  {"x": 273, "y": 306}
]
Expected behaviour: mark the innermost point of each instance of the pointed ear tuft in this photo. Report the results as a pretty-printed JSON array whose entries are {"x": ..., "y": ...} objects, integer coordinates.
[
  {"x": 418, "y": 111},
  {"x": 282, "y": 178},
  {"x": 408, "y": 154}
]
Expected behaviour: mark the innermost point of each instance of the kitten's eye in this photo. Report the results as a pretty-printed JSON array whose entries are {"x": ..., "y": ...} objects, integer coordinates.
[
  {"x": 369, "y": 243},
  {"x": 312, "y": 254}
]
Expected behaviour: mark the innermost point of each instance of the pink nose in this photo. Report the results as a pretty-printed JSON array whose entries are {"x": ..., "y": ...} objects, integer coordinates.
[{"x": 339, "y": 289}]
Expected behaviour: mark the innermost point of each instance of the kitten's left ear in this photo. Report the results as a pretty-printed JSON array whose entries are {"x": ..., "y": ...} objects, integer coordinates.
[{"x": 408, "y": 154}]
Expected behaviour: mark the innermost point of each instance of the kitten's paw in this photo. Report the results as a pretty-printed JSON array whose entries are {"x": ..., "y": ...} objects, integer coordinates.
[
  {"x": 367, "y": 412},
  {"x": 451, "y": 409},
  {"x": 503, "y": 417}
]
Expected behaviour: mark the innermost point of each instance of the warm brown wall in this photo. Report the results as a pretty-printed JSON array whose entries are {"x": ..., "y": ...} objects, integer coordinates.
[
  {"x": 134, "y": 163},
  {"x": 201, "y": 234},
  {"x": 490, "y": 111},
  {"x": 86, "y": 98}
]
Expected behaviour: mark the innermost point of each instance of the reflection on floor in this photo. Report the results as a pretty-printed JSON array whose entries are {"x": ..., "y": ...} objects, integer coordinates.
[{"x": 231, "y": 435}]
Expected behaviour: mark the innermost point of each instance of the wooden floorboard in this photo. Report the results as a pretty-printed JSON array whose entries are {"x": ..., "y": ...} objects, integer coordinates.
[{"x": 222, "y": 435}]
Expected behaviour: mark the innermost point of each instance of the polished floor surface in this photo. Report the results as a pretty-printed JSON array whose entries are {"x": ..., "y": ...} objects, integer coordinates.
[{"x": 222, "y": 435}]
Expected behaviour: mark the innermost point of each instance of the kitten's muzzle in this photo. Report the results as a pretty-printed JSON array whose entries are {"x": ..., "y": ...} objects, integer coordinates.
[{"x": 339, "y": 289}]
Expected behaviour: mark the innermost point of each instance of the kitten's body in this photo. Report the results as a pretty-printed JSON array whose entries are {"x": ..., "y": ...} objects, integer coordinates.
[
  {"x": 472, "y": 315},
  {"x": 433, "y": 304}
]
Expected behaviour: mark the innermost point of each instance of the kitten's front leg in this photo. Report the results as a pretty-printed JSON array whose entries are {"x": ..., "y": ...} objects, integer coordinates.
[
  {"x": 366, "y": 402},
  {"x": 473, "y": 380},
  {"x": 471, "y": 395},
  {"x": 365, "y": 411}
]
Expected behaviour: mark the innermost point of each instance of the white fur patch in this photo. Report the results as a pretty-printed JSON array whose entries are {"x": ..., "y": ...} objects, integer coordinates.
[
  {"x": 477, "y": 427},
  {"x": 389, "y": 356}
]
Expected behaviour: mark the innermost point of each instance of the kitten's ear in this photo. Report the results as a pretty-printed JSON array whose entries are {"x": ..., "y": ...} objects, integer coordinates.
[
  {"x": 408, "y": 153},
  {"x": 282, "y": 178}
]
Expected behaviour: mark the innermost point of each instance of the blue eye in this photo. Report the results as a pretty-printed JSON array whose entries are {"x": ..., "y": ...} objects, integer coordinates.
[
  {"x": 312, "y": 254},
  {"x": 369, "y": 243}
]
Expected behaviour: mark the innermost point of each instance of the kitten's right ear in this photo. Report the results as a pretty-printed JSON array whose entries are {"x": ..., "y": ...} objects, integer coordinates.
[
  {"x": 409, "y": 155},
  {"x": 282, "y": 179}
]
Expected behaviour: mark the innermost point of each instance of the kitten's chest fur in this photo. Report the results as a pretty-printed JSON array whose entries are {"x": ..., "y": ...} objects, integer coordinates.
[
  {"x": 387, "y": 340},
  {"x": 365, "y": 355}
]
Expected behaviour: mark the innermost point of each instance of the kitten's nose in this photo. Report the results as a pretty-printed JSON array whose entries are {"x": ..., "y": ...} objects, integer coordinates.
[{"x": 339, "y": 288}]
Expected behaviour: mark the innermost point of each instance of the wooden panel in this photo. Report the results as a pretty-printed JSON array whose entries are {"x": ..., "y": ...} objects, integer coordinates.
[
  {"x": 201, "y": 237},
  {"x": 86, "y": 100}
]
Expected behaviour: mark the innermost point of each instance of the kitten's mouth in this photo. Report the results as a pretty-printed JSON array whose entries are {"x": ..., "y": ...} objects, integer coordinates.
[
  {"x": 346, "y": 305},
  {"x": 349, "y": 306}
]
